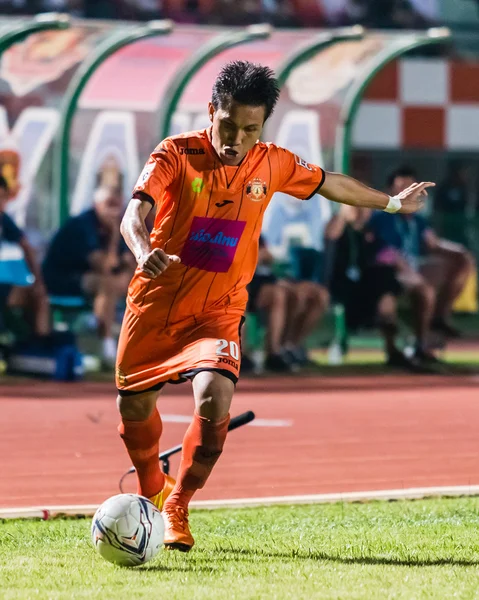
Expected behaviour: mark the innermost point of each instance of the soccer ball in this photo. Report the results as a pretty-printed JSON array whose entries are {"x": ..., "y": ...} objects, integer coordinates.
[{"x": 128, "y": 530}]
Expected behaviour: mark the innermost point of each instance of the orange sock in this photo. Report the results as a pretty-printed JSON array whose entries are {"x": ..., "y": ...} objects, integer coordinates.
[
  {"x": 142, "y": 441},
  {"x": 202, "y": 446}
]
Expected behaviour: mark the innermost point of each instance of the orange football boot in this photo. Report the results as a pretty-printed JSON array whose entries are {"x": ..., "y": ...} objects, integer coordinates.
[
  {"x": 177, "y": 531},
  {"x": 160, "y": 498}
]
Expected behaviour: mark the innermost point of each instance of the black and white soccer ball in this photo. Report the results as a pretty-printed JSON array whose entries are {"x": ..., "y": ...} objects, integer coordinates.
[{"x": 128, "y": 530}]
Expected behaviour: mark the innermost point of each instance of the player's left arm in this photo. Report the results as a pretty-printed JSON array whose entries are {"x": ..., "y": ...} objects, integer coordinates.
[{"x": 346, "y": 190}]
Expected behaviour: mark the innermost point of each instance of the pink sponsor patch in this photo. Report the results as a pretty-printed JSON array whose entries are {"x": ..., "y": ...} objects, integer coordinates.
[{"x": 211, "y": 244}]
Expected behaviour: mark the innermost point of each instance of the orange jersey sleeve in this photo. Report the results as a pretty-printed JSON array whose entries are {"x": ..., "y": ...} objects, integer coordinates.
[
  {"x": 159, "y": 172},
  {"x": 297, "y": 177}
]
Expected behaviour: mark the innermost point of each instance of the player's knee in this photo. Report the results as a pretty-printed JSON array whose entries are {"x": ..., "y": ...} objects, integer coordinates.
[
  {"x": 213, "y": 393},
  {"x": 212, "y": 405},
  {"x": 137, "y": 407}
]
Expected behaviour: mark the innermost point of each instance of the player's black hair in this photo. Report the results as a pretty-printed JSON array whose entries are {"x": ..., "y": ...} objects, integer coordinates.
[
  {"x": 3, "y": 183},
  {"x": 246, "y": 83},
  {"x": 404, "y": 171}
]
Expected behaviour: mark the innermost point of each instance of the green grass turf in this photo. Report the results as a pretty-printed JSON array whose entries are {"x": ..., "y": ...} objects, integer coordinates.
[{"x": 408, "y": 550}]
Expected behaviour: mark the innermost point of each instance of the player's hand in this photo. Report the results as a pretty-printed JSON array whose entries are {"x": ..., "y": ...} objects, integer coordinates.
[
  {"x": 412, "y": 198},
  {"x": 156, "y": 261}
]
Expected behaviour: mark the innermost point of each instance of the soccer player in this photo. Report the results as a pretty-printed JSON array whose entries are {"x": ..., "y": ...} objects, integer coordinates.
[{"x": 186, "y": 301}]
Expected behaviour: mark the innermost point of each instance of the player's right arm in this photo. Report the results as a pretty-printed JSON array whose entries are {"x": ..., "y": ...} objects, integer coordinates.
[
  {"x": 346, "y": 190},
  {"x": 303, "y": 180},
  {"x": 158, "y": 174}
]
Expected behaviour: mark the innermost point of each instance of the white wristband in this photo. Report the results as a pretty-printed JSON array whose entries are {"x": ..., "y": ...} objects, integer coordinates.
[{"x": 394, "y": 205}]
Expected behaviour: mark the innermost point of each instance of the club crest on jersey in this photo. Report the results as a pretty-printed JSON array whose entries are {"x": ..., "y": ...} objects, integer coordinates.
[{"x": 256, "y": 190}]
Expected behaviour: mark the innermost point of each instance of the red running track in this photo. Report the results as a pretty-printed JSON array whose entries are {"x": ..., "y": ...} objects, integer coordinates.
[{"x": 59, "y": 443}]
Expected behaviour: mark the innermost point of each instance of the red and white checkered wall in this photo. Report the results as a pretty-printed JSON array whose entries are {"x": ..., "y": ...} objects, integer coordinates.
[{"x": 421, "y": 104}]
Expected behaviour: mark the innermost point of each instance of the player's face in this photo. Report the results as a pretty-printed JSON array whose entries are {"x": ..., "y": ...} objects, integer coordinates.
[
  {"x": 400, "y": 184},
  {"x": 236, "y": 129}
]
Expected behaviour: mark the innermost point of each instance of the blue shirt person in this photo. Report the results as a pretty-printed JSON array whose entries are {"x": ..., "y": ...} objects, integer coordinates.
[
  {"x": 87, "y": 257},
  {"x": 21, "y": 281},
  {"x": 403, "y": 233}
]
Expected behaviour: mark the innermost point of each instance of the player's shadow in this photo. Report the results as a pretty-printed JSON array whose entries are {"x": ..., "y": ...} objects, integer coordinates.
[{"x": 246, "y": 554}]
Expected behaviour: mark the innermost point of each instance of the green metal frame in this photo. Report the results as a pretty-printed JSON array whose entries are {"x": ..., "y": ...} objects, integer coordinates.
[
  {"x": 114, "y": 42},
  {"x": 22, "y": 30},
  {"x": 307, "y": 51},
  {"x": 342, "y": 157},
  {"x": 208, "y": 51}
]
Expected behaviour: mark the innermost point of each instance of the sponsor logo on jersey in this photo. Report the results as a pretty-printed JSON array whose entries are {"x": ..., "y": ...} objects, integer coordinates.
[
  {"x": 223, "y": 203},
  {"x": 193, "y": 151},
  {"x": 256, "y": 189},
  {"x": 211, "y": 244},
  {"x": 229, "y": 362},
  {"x": 197, "y": 185},
  {"x": 303, "y": 163},
  {"x": 219, "y": 238}
]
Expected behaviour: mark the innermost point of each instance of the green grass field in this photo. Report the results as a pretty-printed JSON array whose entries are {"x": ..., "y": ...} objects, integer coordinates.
[{"x": 408, "y": 550}]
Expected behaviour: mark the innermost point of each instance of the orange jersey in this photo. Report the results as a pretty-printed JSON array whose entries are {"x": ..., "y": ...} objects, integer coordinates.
[{"x": 210, "y": 215}]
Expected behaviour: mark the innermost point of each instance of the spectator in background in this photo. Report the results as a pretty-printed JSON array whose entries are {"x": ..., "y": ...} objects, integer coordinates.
[
  {"x": 14, "y": 7},
  {"x": 393, "y": 14},
  {"x": 270, "y": 297},
  {"x": 293, "y": 309},
  {"x": 433, "y": 271},
  {"x": 232, "y": 12},
  {"x": 308, "y": 304},
  {"x": 87, "y": 257},
  {"x": 450, "y": 203},
  {"x": 74, "y": 7},
  {"x": 32, "y": 298},
  {"x": 280, "y": 13},
  {"x": 141, "y": 10},
  {"x": 368, "y": 291}
]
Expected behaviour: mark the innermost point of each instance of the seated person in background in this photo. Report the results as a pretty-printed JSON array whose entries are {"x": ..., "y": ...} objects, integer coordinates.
[
  {"x": 368, "y": 291},
  {"x": 293, "y": 309},
  {"x": 33, "y": 299},
  {"x": 310, "y": 302},
  {"x": 451, "y": 204},
  {"x": 88, "y": 257},
  {"x": 432, "y": 271},
  {"x": 270, "y": 296},
  {"x": 294, "y": 233}
]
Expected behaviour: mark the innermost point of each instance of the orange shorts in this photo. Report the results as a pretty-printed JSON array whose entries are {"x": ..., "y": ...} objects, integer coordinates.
[{"x": 150, "y": 354}]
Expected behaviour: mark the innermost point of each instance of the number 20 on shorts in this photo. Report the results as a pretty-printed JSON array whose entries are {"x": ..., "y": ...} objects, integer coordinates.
[{"x": 222, "y": 347}]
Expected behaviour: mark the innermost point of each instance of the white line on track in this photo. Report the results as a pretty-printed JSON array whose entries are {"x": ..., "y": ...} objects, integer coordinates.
[
  {"x": 47, "y": 512},
  {"x": 255, "y": 423}
]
